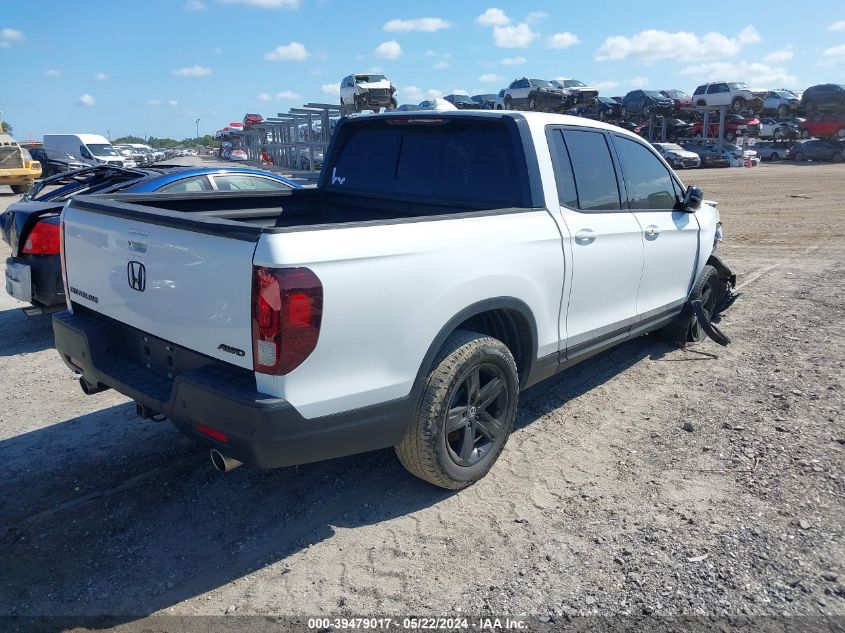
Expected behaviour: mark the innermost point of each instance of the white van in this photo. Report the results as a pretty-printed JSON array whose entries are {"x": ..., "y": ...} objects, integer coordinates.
[{"x": 92, "y": 149}]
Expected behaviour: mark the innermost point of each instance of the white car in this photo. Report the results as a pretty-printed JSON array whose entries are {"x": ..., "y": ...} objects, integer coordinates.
[
  {"x": 440, "y": 105},
  {"x": 772, "y": 128},
  {"x": 445, "y": 262},
  {"x": 783, "y": 102},
  {"x": 677, "y": 156},
  {"x": 366, "y": 91},
  {"x": 238, "y": 155},
  {"x": 735, "y": 94}
]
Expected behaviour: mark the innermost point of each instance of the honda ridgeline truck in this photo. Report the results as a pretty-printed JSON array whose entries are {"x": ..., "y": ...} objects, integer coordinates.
[{"x": 445, "y": 262}]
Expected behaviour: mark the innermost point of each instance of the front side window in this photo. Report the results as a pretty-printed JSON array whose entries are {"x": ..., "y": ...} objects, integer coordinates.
[
  {"x": 700, "y": 90},
  {"x": 102, "y": 149},
  {"x": 595, "y": 175},
  {"x": 647, "y": 180}
]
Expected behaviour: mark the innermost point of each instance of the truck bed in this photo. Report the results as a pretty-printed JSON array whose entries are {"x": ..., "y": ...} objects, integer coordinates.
[{"x": 246, "y": 216}]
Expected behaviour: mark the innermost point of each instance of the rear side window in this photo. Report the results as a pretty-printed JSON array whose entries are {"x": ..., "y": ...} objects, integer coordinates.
[
  {"x": 566, "y": 192},
  {"x": 595, "y": 176},
  {"x": 647, "y": 181},
  {"x": 462, "y": 161},
  {"x": 188, "y": 185}
]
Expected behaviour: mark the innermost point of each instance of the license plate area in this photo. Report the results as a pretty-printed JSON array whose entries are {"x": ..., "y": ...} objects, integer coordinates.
[
  {"x": 18, "y": 280},
  {"x": 159, "y": 356}
]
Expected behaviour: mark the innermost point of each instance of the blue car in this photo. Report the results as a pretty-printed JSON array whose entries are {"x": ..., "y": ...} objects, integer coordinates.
[{"x": 31, "y": 226}]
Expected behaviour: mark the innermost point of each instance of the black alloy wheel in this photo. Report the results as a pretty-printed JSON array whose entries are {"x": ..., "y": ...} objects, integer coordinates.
[{"x": 472, "y": 421}]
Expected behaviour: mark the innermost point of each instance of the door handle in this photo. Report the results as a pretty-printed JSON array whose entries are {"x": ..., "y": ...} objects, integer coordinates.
[
  {"x": 586, "y": 235},
  {"x": 652, "y": 231}
]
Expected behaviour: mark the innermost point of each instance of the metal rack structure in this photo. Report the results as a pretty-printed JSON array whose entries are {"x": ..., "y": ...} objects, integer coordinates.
[
  {"x": 707, "y": 111},
  {"x": 288, "y": 137}
]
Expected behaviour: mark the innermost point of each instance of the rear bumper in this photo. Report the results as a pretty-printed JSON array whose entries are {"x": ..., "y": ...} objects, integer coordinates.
[
  {"x": 35, "y": 279},
  {"x": 260, "y": 430},
  {"x": 18, "y": 176}
]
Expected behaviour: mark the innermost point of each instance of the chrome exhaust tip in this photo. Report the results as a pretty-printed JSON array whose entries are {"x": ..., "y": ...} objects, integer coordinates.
[
  {"x": 88, "y": 389},
  {"x": 223, "y": 463}
]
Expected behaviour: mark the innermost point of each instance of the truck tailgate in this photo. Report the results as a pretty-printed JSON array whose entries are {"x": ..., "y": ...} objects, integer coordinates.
[{"x": 192, "y": 288}]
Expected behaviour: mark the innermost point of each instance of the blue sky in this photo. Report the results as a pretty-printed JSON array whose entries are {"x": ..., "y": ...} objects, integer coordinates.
[{"x": 154, "y": 67}]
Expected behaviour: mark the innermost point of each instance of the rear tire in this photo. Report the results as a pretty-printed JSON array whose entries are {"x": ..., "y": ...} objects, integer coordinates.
[
  {"x": 465, "y": 412},
  {"x": 799, "y": 157},
  {"x": 837, "y": 157},
  {"x": 508, "y": 103},
  {"x": 20, "y": 188},
  {"x": 738, "y": 104},
  {"x": 774, "y": 157},
  {"x": 532, "y": 103}
]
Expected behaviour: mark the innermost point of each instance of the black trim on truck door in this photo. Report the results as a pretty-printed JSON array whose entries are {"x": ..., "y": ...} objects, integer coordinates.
[{"x": 195, "y": 223}]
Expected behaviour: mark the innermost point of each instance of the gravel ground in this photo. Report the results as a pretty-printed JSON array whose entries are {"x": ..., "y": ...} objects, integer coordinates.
[{"x": 601, "y": 504}]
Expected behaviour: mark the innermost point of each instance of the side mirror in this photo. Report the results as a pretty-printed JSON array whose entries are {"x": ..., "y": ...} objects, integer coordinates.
[{"x": 693, "y": 198}]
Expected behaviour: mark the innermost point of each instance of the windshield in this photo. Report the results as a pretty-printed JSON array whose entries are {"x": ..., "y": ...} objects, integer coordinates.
[
  {"x": 102, "y": 149},
  {"x": 675, "y": 94},
  {"x": 732, "y": 148},
  {"x": 786, "y": 94},
  {"x": 574, "y": 83},
  {"x": 540, "y": 83},
  {"x": 653, "y": 94},
  {"x": 672, "y": 147},
  {"x": 738, "y": 85},
  {"x": 462, "y": 98},
  {"x": 369, "y": 78}
]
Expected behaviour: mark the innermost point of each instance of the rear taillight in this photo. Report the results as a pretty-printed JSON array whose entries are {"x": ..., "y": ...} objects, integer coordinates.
[
  {"x": 287, "y": 309},
  {"x": 43, "y": 240}
]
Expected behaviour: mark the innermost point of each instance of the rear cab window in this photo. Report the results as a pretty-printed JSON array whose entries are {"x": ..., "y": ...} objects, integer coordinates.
[{"x": 471, "y": 161}]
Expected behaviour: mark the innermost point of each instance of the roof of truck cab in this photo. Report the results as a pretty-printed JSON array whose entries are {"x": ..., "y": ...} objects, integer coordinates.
[{"x": 534, "y": 119}]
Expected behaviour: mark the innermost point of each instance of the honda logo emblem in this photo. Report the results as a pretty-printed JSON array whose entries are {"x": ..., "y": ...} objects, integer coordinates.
[{"x": 136, "y": 275}]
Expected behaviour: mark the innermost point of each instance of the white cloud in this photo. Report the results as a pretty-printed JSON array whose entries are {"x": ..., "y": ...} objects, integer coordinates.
[
  {"x": 191, "y": 71},
  {"x": 833, "y": 55},
  {"x": 87, "y": 100},
  {"x": 782, "y": 55},
  {"x": 605, "y": 85},
  {"x": 10, "y": 36},
  {"x": 513, "y": 61},
  {"x": 154, "y": 102},
  {"x": 749, "y": 35},
  {"x": 389, "y": 50},
  {"x": 294, "y": 51},
  {"x": 563, "y": 40},
  {"x": 519, "y": 36},
  {"x": 427, "y": 25},
  {"x": 195, "y": 5},
  {"x": 432, "y": 93},
  {"x": 536, "y": 16},
  {"x": 459, "y": 91},
  {"x": 217, "y": 50},
  {"x": 331, "y": 89},
  {"x": 411, "y": 93},
  {"x": 264, "y": 96},
  {"x": 441, "y": 65},
  {"x": 490, "y": 77},
  {"x": 266, "y": 4},
  {"x": 755, "y": 73},
  {"x": 652, "y": 45},
  {"x": 52, "y": 72},
  {"x": 637, "y": 82},
  {"x": 172, "y": 103},
  {"x": 101, "y": 76},
  {"x": 837, "y": 26},
  {"x": 493, "y": 17},
  {"x": 288, "y": 95}
]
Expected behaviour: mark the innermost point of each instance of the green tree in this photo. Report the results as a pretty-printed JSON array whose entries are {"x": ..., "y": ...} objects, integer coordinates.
[
  {"x": 129, "y": 139},
  {"x": 5, "y": 127}
]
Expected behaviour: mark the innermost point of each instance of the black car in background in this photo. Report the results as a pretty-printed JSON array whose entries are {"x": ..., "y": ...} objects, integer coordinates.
[
  {"x": 644, "y": 102},
  {"x": 709, "y": 157},
  {"x": 486, "y": 102},
  {"x": 833, "y": 151},
  {"x": 608, "y": 108},
  {"x": 824, "y": 98},
  {"x": 462, "y": 102},
  {"x": 675, "y": 128},
  {"x": 55, "y": 161}
]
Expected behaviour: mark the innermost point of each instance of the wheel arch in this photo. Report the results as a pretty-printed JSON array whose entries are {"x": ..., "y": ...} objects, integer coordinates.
[{"x": 506, "y": 318}]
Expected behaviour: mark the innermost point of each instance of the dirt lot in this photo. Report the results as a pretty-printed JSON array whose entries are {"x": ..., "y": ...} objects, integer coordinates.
[{"x": 600, "y": 504}]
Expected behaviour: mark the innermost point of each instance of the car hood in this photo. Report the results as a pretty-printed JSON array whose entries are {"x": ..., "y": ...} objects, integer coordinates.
[
  {"x": 682, "y": 153},
  {"x": 373, "y": 84}
]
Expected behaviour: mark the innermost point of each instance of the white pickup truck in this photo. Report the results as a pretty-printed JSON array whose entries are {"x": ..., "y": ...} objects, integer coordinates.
[{"x": 446, "y": 261}]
